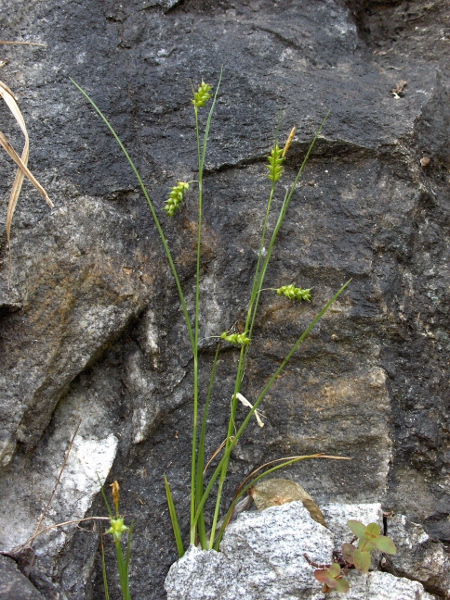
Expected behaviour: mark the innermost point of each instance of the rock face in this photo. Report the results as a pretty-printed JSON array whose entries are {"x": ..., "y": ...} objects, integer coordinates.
[
  {"x": 90, "y": 327},
  {"x": 262, "y": 558}
]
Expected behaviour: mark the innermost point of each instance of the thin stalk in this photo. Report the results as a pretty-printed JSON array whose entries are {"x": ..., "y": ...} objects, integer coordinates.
[
  {"x": 152, "y": 209},
  {"x": 241, "y": 366},
  {"x": 123, "y": 570},
  {"x": 196, "y": 493},
  {"x": 237, "y": 436},
  {"x": 231, "y": 428},
  {"x": 256, "y": 279},
  {"x": 201, "y": 449},
  {"x": 105, "y": 577},
  {"x": 105, "y": 499}
]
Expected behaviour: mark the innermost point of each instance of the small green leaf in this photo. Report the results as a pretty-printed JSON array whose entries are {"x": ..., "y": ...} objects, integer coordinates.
[
  {"x": 357, "y": 528},
  {"x": 347, "y": 553},
  {"x": 334, "y": 571},
  {"x": 372, "y": 531},
  {"x": 342, "y": 586},
  {"x": 331, "y": 583},
  {"x": 362, "y": 561},
  {"x": 385, "y": 544}
]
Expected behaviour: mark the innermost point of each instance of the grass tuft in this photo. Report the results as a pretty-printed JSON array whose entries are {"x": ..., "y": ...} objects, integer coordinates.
[{"x": 201, "y": 483}]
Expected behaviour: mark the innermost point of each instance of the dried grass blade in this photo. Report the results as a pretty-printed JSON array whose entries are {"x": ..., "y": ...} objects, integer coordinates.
[
  {"x": 21, "y": 161},
  {"x": 23, "y": 167}
]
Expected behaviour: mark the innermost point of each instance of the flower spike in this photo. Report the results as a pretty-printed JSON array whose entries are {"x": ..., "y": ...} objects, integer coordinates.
[
  {"x": 275, "y": 159},
  {"x": 293, "y": 293},
  {"x": 176, "y": 197},
  {"x": 238, "y": 339},
  {"x": 288, "y": 142},
  {"x": 117, "y": 528},
  {"x": 202, "y": 95}
]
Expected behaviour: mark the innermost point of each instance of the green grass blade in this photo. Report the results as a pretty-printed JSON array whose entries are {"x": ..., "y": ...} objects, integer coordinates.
[
  {"x": 123, "y": 572},
  {"x": 281, "y": 217},
  {"x": 105, "y": 499},
  {"x": 258, "y": 282},
  {"x": 128, "y": 553},
  {"x": 174, "y": 518},
  {"x": 150, "y": 204},
  {"x": 105, "y": 577},
  {"x": 196, "y": 493},
  {"x": 201, "y": 451}
]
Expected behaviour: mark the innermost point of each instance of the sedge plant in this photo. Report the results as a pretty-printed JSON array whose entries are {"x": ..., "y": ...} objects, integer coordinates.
[
  {"x": 116, "y": 530},
  {"x": 201, "y": 487}
]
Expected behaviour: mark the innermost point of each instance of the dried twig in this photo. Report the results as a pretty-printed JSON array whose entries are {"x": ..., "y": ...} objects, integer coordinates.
[
  {"x": 29, "y": 542},
  {"x": 66, "y": 458},
  {"x": 22, "y": 43}
]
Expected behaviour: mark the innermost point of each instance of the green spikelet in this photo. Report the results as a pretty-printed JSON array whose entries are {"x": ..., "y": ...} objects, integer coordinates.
[
  {"x": 275, "y": 159},
  {"x": 238, "y": 339},
  {"x": 293, "y": 293},
  {"x": 175, "y": 198},
  {"x": 202, "y": 95}
]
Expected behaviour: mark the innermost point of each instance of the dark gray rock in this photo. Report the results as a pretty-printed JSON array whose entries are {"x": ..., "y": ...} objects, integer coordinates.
[
  {"x": 90, "y": 326},
  {"x": 418, "y": 556},
  {"x": 14, "y": 585}
]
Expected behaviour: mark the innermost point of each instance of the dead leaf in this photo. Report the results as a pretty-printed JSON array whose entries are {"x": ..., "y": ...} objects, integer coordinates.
[{"x": 275, "y": 492}]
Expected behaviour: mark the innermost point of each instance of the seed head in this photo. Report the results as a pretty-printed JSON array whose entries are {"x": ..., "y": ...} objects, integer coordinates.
[
  {"x": 117, "y": 529},
  {"x": 116, "y": 495},
  {"x": 288, "y": 142},
  {"x": 202, "y": 95},
  {"x": 175, "y": 198},
  {"x": 275, "y": 159},
  {"x": 238, "y": 339},
  {"x": 293, "y": 293}
]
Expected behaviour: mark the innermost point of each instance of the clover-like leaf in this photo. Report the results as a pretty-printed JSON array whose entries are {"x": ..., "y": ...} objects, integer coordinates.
[
  {"x": 332, "y": 579},
  {"x": 361, "y": 560},
  {"x": 357, "y": 528},
  {"x": 321, "y": 575},
  {"x": 347, "y": 553},
  {"x": 385, "y": 544},
  {"x": 329, "y": 575},
  {"x": 334, "y": 571},
  {"x": 342, "y": 586}
]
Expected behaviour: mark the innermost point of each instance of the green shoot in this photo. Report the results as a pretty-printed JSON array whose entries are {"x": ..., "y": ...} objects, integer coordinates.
[
  {"x": 369, "y": 539},
  {"x": 332, "y": 579},
  {"x": 174, "y": 518},
  {"x": 117, "y": 529}
]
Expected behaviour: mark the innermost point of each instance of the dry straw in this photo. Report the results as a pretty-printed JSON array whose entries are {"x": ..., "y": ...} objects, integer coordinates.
[{"x": 22, "y": 160}]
